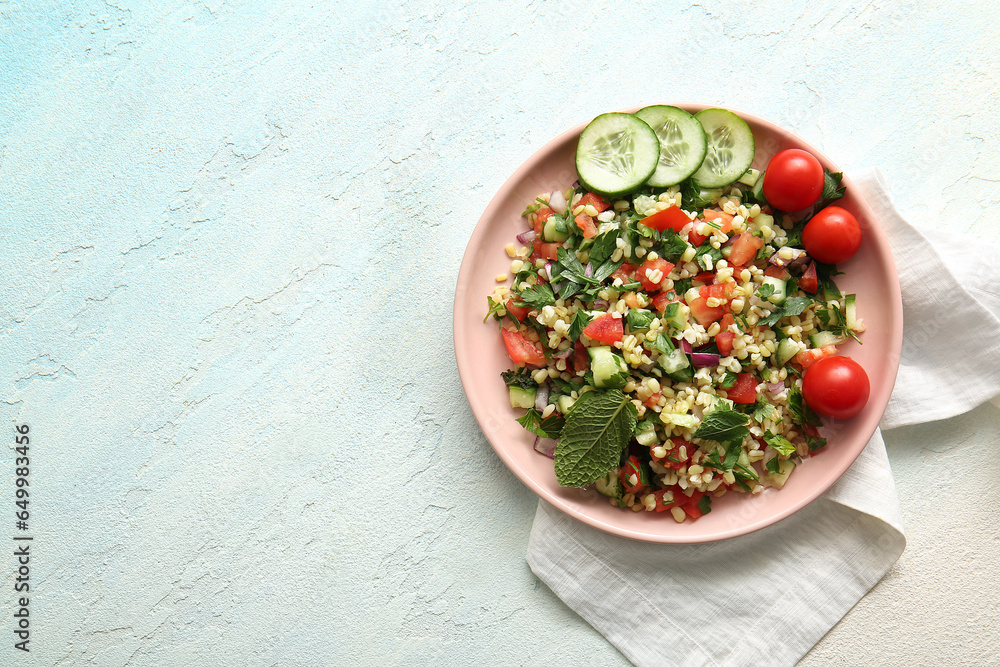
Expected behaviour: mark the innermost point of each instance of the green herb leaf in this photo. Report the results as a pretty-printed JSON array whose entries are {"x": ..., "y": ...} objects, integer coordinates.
[
  {"x": 494, "y": 308},
  {"x": 723, "y": 425},
  {"x": 604, "y": 245},
  {"x": 832, "y": 189},
  {"x": 801, "y": 412},
  {"x": 672, "y": 246},
  {"x": 765, "y": 290},
  {"x": 518, "y": 377},
  {"x": 705, "y": 504},
  {"x": 779, "y": 443},
  {"x": 762, "y": 410},
  {"x": 728, "y": 380},
  {"x": 580, "y": 321},
  {"x": 774, "y": 466},
  {"x": 550, "y": 427},
  {"x": 537, "y": 296},
  {"x": 594, "y": 436}
]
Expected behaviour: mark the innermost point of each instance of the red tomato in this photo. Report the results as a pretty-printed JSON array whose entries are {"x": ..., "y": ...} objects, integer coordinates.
[
  {"x": 836, "y": 386},
  {"x": 793, "y": 180},
  {"x": 605, "y": 328},
  {"x": 632, "y": 475},
  {"x": 705, "y": 277},
  {"x": 719, "y": 291},
  {"x": 595, "y": 201},
  {"x": 586, "y": 225},
  {"x": 625, "y": 272},
  {"x": 744, "y": 249},
  {"x": 720, "y": 218},
  {"x": 653, "y": 400},
  {"x": 778, "y": 272},
  {"x": 548, "y": 251},
  {"x": 703, "y": 313},
  {"x": 724, "y": 341},
  {"x": 541, "y": 215},
  {"x": 650, "y": 265},
  {"x": 516, "y": 310},
  {"x": 690, "y": 505},
  {"x": 661, "y": 300},
  {"x": 581, "y": 360},
  {"x": 807, "y": 358},
  {"x": 668, "y": 218},
  {"x": 832, "y": 236},
  {"x": 675, "y": 458},
  {"x": 662, "y": 505},
  {"x": 809, "y": 282},
  {"x": 744, "y": 390},
  {"x": 522, "y": 351}
]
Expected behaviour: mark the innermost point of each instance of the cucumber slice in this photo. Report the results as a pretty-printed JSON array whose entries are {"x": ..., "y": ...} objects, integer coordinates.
[
  {"x": 824, "y": 338},
  {"x": 682, "y": 143},
  {"x": 730, "y": 148},
  {"x": 616, "y": 153}
]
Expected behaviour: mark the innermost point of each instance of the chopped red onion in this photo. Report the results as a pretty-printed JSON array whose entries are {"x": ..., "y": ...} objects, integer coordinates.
[
  {"x": 564, "y": 354},
  {"x": 588, "y": 270},
  {"x": 542, "y": 396},
  {"x": 548, "y": 270},
  {"x": 546, "y": 446},
  {"x": 600, "y": 304},
  {"x": 557, "y": 202},
  {"x": 526, "y": 237},
  {"x": 704, "y": 360},
  {"x": 685, "y": 346},
  {"x": 777, "y": 260},
  {"x": 776, "y": 389}
]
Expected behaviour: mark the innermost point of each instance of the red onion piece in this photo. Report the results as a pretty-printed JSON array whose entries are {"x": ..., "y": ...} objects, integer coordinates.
[
  {"x": 685, "y": 346},
  {"x": 704, "y": 360},
  {"x": 542, "y": 396},
  {"x": 588, "y": 270},
  {"x": 776, "y": 389},
  {"x": 526, "y": 237},
  {"x": 548, "y": 270},
  {"x": 783, "y": 262},
  {"x": 600, "y": 304},
  {"x": 564, "y": 354},
  {"x": 546, "y": 446},
  {"x": 557, "y": 202}
]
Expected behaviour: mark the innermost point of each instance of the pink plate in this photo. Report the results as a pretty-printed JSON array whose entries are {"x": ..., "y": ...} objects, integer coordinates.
[{"x": 481, "y": 357}]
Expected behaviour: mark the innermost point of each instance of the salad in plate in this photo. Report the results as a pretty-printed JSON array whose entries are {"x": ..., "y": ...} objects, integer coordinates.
[{"x": 673, "y": 317}]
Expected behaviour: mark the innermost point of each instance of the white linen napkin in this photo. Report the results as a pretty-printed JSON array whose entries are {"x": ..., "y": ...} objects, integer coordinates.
[{"x": 768, "y": 597}]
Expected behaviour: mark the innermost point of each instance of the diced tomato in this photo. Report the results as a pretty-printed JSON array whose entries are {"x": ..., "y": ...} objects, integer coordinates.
[
  {"x": 744, "y": 390},
  {"x": 807, "y": 358},
  {"x": 632, "y": 475},
  {"x": 727, "y": 321},
  {"x": 719, "y": 291},
  {"x": 541, "y": 215},
  {"x": 721, "y": 218},
  {"x": 703, "y": 313},
  {"x": 586, "y": 225},
  {"x": 649, "y": 266},
  {"x": 669, "y": 218},
  {"x": 676, "y": 458},
  {"x": 691, "y": 507},
  {"x": 653, "y": 400},
  {"x": 661, "y": 300},
  {"x": 631, "y": 300},
  {"x": 605, "y": 328},
  {"x": 625, "y": 272},
  {"x": 724, "y": 341},
  {"x": 809, "y": 282},
  {"x": 549, "y": 251},
  {"x": 581, "y": 360},
  {"x": 744, "y": 249},
  {"x": 522, "y": 351},
  {"x": 661, "y": 504},
  {"x": 696, "y": 239},
  {"x": 516, "y": 310},
  {"x": 595, "y": 201},
  {"x": 779, "y": 272},
  {"x": 705, "y": 277}
]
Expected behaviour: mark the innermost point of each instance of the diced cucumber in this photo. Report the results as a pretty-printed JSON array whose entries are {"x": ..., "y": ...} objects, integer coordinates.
[
  {"x": 764, "y": 221},
  {"x": 647, "y": 436},
  {"x": 554, "y": 230},
  {"x": 609, "y": 369},
  {"x": 682, "y": 143},
  {"x": 757, "y": 191},
  {"x": 616, "y": 153},
  {"x": 749, "y": 177},
  {"x": 521, "y": 397},
  {"x": 718, "y": 403},
  {"x": 787, "y": 349},
  {"x": 610, "y": 485},
  {"x": 785, "y": 469},
  {"x": 780, "y": 289},
  {"x": 851, "y": 320},
  {"x": 638, "y": 319},
  {"x": 674, "y": 317},
  {"x": 673, "y": 362},
  {"x": 564, "y": 403},
  {"x": 730, "y": 148},
  {"x": 824, "y": 338},
  {"x": 684, "y": 421}
]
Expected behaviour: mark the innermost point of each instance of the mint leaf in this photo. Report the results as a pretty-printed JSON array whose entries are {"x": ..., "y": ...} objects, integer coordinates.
[
  {"x": 592, "y": 440},
  {"x": 723, "y": 425},
  {"x": 550, "y": 427}
]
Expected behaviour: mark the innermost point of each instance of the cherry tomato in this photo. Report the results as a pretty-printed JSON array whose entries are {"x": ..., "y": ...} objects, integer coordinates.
[
  {"x": 793, "y": 180},
  {"x": 836, "y": 386},
  {"x": 832, "y": 236}
]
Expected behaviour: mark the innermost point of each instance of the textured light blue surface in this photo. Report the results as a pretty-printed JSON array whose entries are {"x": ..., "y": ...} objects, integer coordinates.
[{"x": 231, "y": 233}]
